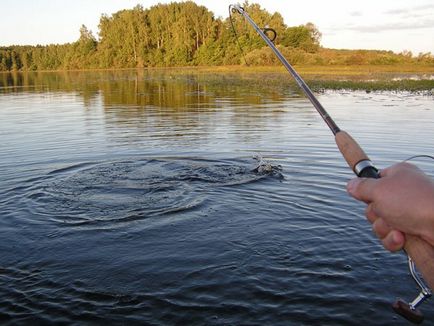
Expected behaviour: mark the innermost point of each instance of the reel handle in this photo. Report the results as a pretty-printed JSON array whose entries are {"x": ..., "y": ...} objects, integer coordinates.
[
  {"x": 419, "y": 251},
  {"x": 403, "y": 308}
]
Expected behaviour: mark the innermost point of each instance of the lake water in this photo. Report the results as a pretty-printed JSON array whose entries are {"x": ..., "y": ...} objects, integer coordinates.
[{"x": 131, "y": 198}]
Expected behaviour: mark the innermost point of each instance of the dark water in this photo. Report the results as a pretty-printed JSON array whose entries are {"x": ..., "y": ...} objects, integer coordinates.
[{"x": 131, "y": 198}]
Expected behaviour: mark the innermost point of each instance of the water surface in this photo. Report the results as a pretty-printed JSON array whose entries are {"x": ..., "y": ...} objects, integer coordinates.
[{"x": 132, "y": 197}]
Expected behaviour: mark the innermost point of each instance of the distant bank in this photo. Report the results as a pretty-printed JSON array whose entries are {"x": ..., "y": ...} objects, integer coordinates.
[{"x": 186, "y": 34}]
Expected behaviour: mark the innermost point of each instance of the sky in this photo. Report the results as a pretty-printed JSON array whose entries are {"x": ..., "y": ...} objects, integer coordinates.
[{"x": 395, "y": 25}]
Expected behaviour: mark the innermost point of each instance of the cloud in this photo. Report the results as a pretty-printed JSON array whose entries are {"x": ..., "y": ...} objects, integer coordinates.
[
  {"x": 410, "y": 18},
  {"x": 401, "y": 11},
  {"x": 356, "y": 14},
  {"x": 392, "y": 26}
]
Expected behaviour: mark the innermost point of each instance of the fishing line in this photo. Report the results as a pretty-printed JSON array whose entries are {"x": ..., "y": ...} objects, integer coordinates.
[
  {"x": 422, "y": 156},
  {"x": 419, "y": 156},
  {"x": 265, "y": 30},
  {"x": 236, "y": 34}
]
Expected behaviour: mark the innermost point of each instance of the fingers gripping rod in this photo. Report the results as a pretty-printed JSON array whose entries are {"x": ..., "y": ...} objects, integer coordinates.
[{"x": 418, "y": 251}]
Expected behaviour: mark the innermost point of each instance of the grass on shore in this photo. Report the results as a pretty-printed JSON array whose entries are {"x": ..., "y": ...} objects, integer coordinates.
[
  {"x": 332, "y": 70},
  {"x": 367, "y": 77},
  {"x": 413, "y": 78}
]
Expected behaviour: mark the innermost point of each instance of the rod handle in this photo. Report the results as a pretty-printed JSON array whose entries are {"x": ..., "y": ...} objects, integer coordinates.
[
  {"x": 350, "y": 150},
  {"x": 420, "y": 251}
]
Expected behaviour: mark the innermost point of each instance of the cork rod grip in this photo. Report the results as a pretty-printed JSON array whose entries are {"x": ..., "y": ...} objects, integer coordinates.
[
  {"x": 421, "y": 252},
  {"x": 350, "y": 150}
]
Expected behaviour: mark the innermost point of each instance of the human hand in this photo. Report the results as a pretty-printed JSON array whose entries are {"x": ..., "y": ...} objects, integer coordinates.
[{"x": 400, "y": 202}]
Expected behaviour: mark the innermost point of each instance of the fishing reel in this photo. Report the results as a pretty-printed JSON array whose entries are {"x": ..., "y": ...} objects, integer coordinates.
[{"x": 409, "y": 310}]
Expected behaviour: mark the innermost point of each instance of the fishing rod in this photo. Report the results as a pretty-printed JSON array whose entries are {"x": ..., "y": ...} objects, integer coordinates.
[{"x": 418, "y": 251}]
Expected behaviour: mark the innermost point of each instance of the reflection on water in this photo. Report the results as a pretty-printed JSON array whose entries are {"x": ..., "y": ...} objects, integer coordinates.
[
  {"x": 165, "y": 197},
  {"x": 171, "y": 89}
]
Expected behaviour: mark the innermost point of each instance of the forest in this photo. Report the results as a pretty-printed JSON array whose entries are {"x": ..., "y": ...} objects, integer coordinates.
[{"x": 186, "y": 34}]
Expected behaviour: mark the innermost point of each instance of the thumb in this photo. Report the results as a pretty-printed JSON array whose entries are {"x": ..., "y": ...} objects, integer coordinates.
[{"x": 362, "y": 189}]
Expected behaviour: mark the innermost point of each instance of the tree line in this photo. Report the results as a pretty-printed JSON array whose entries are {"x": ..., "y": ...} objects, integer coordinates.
[{"x": 186, "y": 34}]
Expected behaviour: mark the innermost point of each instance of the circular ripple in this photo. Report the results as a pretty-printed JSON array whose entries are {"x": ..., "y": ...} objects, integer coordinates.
[{"x": 124, "y": 191}]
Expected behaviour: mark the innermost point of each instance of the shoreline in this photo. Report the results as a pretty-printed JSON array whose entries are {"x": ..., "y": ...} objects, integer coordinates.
[
  {"x": 413, "y": 78},
  {"x": 307, "y": 69}
]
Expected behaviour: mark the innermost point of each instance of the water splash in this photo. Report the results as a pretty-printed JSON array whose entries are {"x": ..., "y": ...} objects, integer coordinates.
[
  {"x": 265, "y": 167},
  {"x": 108, "y": 193}
]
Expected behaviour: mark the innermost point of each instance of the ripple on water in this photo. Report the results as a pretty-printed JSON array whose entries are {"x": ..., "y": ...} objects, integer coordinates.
[{"x": 123, "y": 191}]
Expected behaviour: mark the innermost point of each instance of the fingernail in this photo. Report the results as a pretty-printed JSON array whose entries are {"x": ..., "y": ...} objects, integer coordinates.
[{"x": 352, "y": 184}]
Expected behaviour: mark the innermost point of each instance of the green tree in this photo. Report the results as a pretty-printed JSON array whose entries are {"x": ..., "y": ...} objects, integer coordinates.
[
  {"x": 81, "y": 53},
  {"x": 185, "y": 33},
  {"x": 306, "y": 37}
]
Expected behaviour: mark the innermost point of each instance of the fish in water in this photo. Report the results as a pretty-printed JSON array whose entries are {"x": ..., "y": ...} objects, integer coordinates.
[{"x": 265, "y": 167}]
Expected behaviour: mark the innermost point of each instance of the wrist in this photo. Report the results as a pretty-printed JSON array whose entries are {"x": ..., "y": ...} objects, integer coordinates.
[{"x": 428, "y": 231}]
